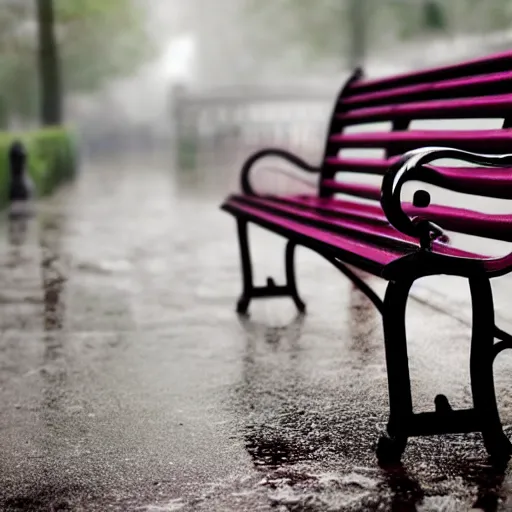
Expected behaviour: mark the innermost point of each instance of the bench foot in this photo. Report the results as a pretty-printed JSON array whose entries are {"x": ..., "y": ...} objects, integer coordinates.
[
  {"x": 442, "y": 405},
  {"x": 390, "y": 449},
  {"x": 242, "y": 305},
  {"x": 483, "y": 353},
  {"x": 498, "y": 446},
  {"x": 271, "y": 289},
  {"x": 291, "y": 281},
  {"x": 482, "y": 417},
  {"x": 444, "y": 420}
]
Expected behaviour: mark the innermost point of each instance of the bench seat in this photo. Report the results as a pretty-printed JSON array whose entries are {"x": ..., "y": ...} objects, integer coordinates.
[
  {"x": 370, "y": 227},
  {"x": 362, "y": 237}
]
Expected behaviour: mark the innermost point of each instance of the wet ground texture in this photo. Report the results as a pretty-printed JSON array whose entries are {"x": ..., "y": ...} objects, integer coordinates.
[{"x": 127, "y": 381}]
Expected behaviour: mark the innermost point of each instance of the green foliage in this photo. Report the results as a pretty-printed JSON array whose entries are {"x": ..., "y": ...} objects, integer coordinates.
[
  {"x": 98, "y": 40},
  {"x": 78, "y": 10},
  {"x": 51, "y": 159},
  {"x": 500, "y": 15},
  {"x": 3, "y": 114},
  {"x": 318, "y": 28},
  {"x": 408, "y": 20},
  {"x": 19, "y": 86},
  {"x": 434, "y": 16},
  {"x": 323, "y": 28},
  {"x": 53, "y": 152}
]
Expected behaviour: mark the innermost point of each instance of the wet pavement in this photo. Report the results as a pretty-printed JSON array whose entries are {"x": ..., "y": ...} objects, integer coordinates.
[{"x": 127, "y": 382}]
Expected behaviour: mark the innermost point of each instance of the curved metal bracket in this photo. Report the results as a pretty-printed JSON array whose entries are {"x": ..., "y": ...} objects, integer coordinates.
[
  {"x": 291, "y": 281},
  {"x": 412, "y": 166},
  {"x": 281, "y": 153}
]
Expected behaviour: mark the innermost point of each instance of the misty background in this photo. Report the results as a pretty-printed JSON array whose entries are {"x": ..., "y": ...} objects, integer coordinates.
[{"x": 142, "y": 73}]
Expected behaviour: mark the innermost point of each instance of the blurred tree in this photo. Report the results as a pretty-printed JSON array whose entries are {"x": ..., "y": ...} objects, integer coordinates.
[
  {"x": 3, "y": 114},
  {"x": 18, "y": 63},
  {"x": 97, "y": 41},
  {"x": 328, "y": 28},
  {"x": 317, "y": 28},
  {"x": 345, "y": 28},
  {"x": 100, "y": 40},
  {"x": 434, "y": 17},
  {"x": 49, "y": 65}
]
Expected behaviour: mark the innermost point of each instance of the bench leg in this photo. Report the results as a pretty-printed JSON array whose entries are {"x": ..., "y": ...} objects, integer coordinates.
[
  {"x": 483, "y": 417},
  {"x": 245, "y": 257},
  {"x": 291, "y": 282},
  {"x": 391, "y": 447},
  {"x": 481, "y": 369},
  {"x": 249, "y": 291}
]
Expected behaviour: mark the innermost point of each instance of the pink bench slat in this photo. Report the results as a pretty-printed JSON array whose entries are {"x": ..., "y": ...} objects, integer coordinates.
[
  {"x": 480, "y": 181},
  {"x": 499, "y": 141},
  {"x": 369, "y": 257},
  {"x": 466, "y": 221},
  {"x": 369, "y": 213},
  {"x": 383, "y": 232},
  {"x": 486, "y": 107},
  {"x": 460, "y": 220},
  {"x": 377, "y": 256},
  {"x": 496, "y": 83},
  {"x": 489, "y": 64}
]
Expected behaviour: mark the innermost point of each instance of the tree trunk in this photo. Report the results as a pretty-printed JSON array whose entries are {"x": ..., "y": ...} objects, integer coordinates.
[
  {"x": 49, "y": 66},
  {"x": 4, "y": 115}
]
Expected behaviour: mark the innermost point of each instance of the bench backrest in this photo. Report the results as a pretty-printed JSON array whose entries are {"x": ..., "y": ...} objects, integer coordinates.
[{"x": 475, "y": 89}]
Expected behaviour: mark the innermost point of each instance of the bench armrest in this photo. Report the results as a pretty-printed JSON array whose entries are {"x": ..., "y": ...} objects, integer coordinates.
[
  {"x": 413, "y": 166},
  {"x": 281, "y": 153}
]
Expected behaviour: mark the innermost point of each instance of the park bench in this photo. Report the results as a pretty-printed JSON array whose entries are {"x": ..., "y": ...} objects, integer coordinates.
[{"x": 371, "y": 228}]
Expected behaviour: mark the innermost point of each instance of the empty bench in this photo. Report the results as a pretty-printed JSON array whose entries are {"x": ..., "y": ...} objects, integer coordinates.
[{"x": 371, "y": 228}]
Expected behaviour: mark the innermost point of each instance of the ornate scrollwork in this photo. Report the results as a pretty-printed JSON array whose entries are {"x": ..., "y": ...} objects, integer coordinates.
[{"x": 413, "y": 166}]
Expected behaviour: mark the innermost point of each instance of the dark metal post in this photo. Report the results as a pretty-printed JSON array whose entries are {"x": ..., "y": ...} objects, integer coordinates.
[
  {"x": 245, "y": 256},
  {"x": 19, "y": 189},
  {"x": 291, "y": 282},
  {"x": 481, "y": 369},
  {"x": 49, "y": 66}
]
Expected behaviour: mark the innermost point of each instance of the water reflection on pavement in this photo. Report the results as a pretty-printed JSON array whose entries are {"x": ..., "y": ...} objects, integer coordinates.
[{"x": 127, "y": 382}]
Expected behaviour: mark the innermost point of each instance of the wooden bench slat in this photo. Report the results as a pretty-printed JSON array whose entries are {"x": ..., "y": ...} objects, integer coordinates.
[
  {"x": 369, "y": 213},
  {"x": 485, "y": 85},
  {"x": 486, "y": 107},
  {"x": 356, "y": 227},
  {"x": 491, "y": 64},
  {"x": 344, "y": 219},
  {"x": 466, "y": 221},
  {"x": 480, "y": 181},
  {"x": 459, "y": 220},
  {"x": 377, "y": 255},
  {"x": 368, "y": 257},
  {"x": 489, "y": 141}
]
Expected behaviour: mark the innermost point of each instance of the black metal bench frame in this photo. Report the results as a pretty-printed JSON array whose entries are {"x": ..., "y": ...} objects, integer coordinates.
[{"x": 403, "y": 422}]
